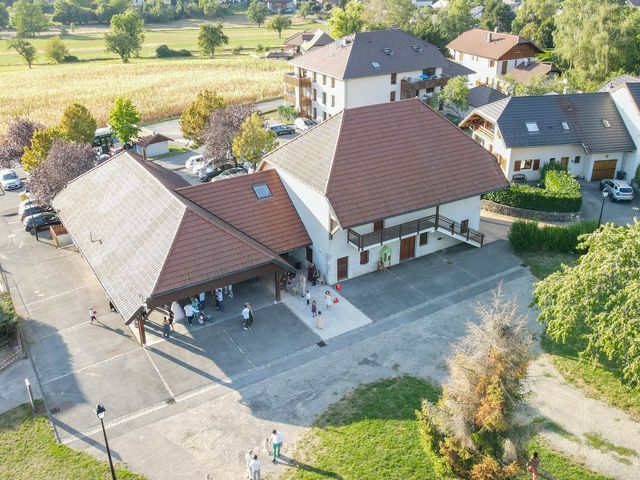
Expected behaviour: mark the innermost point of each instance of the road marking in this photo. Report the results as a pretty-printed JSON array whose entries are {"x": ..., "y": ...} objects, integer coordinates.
[
  {"x": 155, "y": 367},
  {"x": 56, "y": 295},
  {"x": 82, "y": 369},
  {"x": 87, "y": 322},
  {"x": 238, "y": 346}
]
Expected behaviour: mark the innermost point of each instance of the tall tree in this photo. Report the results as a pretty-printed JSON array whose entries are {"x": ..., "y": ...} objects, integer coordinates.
[
  {"x": 194, "y": 118},
  {"x": 399, "y": 13},
  {"x": 124, "y": 119},
  {"x": 304, "y": 10},
  {"x": 108, "y": 8},
  {"x": 594, "y": 305},
  {"x": 497, "y": 14},
  {"x": 4, "y": 16},
  {"x": 17, "y": 137},
  {"x": 28, "y": 18},
  {"x": 535, "y": 20},
  {"x": 24, "y": 49},
  {"x": 40, "y": 146},
  {"x": 56, "y": 50},
  {"x": 456, "y": 95},
  {"x": 64, "y": 162},
  {"x": 472, "y": 432},
  {"x": 77, "y": 124},
  {"x": 211, "y": 37},
  {"x": 126, "y": 35},
  {"x": 596, "y": 38},
  {"x": 455, "y": 18},
  {"x": 222, "y": 127},
  {"x": 277, "y": 23},
  {"x": 347, "y": 20},
  {"x": 257, "y": 12},
  {"x": 253, "y": 140}
]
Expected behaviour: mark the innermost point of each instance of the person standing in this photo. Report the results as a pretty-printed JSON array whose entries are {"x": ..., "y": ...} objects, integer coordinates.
[
  {"x": 220, "y": 299},
  {"x": 327, "y": 299},
  {"x": 247, "y": 460},
  {"x": 188, "y": 312},
  {"x": 254, "y": 466},
  {"x": 532, "y": 465},
  {"x": 250, "y": 315},
  {"x": 246, "y": 314},
  {"x": 92, "y": 314},
  {"x": 230, "y": 291},
  {"x": 314, "y": 309},
  {"x": 303, "y": 285},
  {"x": 307, "y": 295},
  {"x": 202, "y": 301},
  {"x": 276, "y": 443},
  {"x": 319, "y": 321},
  {"x": 171, "y": 320},
  {"x": 166, "y": 328}
]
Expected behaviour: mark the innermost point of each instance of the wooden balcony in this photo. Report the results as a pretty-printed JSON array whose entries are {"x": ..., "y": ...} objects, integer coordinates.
[
  {"x": 293, "y": 80},
  {"x": 289, "y": 99},
  {"x": 438, "y": 223},
  {"x": 408, "y": 88},
  {"x": 484, "y": 131}
]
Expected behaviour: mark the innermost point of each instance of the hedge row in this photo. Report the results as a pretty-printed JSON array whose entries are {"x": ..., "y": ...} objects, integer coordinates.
[
  {"x": 8, "y": 317},
  {"x": 561, "y": 194},
  {"x": 529, "y": 237}
]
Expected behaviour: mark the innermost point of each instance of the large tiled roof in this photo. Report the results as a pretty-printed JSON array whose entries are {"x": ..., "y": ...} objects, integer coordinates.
[
  {"x": 481, "y": 95},
  {"x": 272, "y": 221},
  {"x": 355, "y": 56},
  {"x": 619, "y": 80},
  {"x": 320, "y": 39},
  {"x": 454, "y": 69},
  {"x": 525, "y": 73},
  {"x": 582, "y": 112},
  {"x": 383, "y": 160},
  {"x": 142, "y": 239},
  {"x": 474, "y": 42},
  {"x": 634, "y": 90}
]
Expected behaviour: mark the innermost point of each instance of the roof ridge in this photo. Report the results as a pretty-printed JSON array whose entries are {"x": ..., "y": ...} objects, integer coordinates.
[{"x": 333, "y": 158}]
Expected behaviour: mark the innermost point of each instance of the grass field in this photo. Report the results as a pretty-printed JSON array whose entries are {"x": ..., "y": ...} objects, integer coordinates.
[
  {"x": 373, "y": 433},
  {"x": 159, "y": 87},
  {"x": 543, "y": 263},
  {"x": 28, "y": 451}
]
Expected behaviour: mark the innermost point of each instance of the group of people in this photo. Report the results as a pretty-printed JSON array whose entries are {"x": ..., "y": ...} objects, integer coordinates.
[{"x": 272, "y": 445}]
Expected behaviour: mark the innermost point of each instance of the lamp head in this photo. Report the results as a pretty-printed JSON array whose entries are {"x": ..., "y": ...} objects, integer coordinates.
[
  {"x": 605, "y": 193},
  {"x": 100, "y": 411}
]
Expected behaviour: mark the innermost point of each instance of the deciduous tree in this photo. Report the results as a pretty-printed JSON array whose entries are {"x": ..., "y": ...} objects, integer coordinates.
[
  {"x": 594, "y": 305},
  {"x": 304, "y": 10},
  {"x": 28, "y": 18},
  {"x": 124, "y": 119},
  {"x": 24, "y": 49},
  {"x": 222, "y": 127},
  {"x": 107, "y": 9},
  {"x": 257, "y": 12},
  {"x": 64, "y": 162},
  {"x": 40, "y": 146},
  {"x": 253, "y": 140},
  {"x": 56, "y": 50},
  {"x": 456, "y": 95},
  {"x": 77, "y": 124},
  {"x": 277, "y": 23},
  {"x": 497, "y": 14},
  {"x": 194, "y": 118},
  {"x": 535, "y": 20},
  {"x": 211, "y": 37},
  {"x": 347, "y": 20},
  {"x": 126, "y": 35},
  {"x": 17, "y": 137},
  {"x": 4, "y": 16}
]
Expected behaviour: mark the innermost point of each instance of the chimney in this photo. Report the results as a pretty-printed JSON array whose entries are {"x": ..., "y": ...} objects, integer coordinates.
[{"x": 489, "y": 37}]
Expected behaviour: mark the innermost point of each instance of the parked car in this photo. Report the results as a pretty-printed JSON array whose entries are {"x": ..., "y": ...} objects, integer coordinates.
[
  {"x": 41, "y": 221},
  {"x": 198, "y": 166},
  {"x": 103, "y": 157},
  {"x": 115, "y": 151},
  {"x": 24, "y": 204},
  {"x": 303, "y": 124},
  {"x": 191, "y": 161},
  {"x": 34, "y": 210},
  {"x": 232, "y": 172},
  {"x": 618, "y": 189},
  {"x": 282, "y": 129},
  {"x": 9, "y": 179},
  {"x": 212, "y": 171}
]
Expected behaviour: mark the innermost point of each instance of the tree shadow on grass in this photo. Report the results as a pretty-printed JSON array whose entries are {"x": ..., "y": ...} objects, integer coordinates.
[{"x": 292, "y": 462}]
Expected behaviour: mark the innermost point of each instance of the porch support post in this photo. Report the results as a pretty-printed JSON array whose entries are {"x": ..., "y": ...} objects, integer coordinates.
[
  {"x": 277, "y": 284},
  {"x": 143, "y": 338},
  {"x": 437, "y": 215}
]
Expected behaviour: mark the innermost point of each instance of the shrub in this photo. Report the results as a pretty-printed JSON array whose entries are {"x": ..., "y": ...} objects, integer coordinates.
[
  {"x": 192, "y": 10},
  {"x": 237, "y": 50},
  {"x": 551, "y": 166},
  {"x": 259, "y": 48},
  {"x": 164, "y": 51},
  {"x": 8, "y": 318},
  {"x": 287, "y": 112},
  {"x": 528, "y": 236},
  {"x": 561, "y": 194},
  {"x": 637, "y": 177}
]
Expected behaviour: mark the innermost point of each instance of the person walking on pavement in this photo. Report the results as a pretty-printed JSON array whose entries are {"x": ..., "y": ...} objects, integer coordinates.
[
  {"x": 276, "y": 443},
  {"x": 92, "y": 314},
  {"x": 327, "y": 299},
  {"x": 188, "y": 311},
  {"x": 307, "y": 295},
  {"x": 246, "y": 315},
  {"x": 314, "y": 309},
  {"x": 166, "y": 328},
  {"x": 220, "y": 299},
  {"x": 254, "y": 466}
]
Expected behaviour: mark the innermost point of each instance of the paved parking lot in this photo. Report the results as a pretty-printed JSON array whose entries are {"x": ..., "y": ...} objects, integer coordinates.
[{"x": 620, "y": 213}]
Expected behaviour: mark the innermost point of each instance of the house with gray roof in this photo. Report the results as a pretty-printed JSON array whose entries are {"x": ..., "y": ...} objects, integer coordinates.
[
  {"x": 366, "y": 68},
  {"x": 584, "y": 131},
  {"x": 626, "y": 95}
]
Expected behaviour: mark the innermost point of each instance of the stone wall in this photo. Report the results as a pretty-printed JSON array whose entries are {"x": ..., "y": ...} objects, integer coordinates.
[{"x": 490, "y": 206}]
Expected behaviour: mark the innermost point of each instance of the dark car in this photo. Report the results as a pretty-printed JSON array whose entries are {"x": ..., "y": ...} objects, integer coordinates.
[
  {"x": 212, "y": 171},
  {"x": 282, "y": 129},
  {"x": 34, "y": 210},
  {"x": 232, "y": 172},
  {"x": 41, "y": 221}
]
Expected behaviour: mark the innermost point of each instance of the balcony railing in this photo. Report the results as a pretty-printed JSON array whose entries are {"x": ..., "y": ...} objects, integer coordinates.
[
  {"x": 433, "y": 222},
  {"x": 484, "y": 131},
  {"x": 289, "y": 99},
  {"x": 293, "y": 80},
  {"x": 408, "y": 88}
]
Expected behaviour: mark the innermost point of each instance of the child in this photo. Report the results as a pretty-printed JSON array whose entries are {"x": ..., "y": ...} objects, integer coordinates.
[
  {"x": 308, "y": 297},
  {"x": 532, "y": 465},
  {"x": 319, "y": 321},
  {"x": 314, "y": 309},
  {"x": 327, "y": 299}
]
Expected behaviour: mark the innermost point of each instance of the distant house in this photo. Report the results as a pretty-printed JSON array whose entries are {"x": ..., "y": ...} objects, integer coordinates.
[
  {"x": 364, "y": 69},
  {"x": 582, "y": 131},
  {"x": 277, "y": 55},
  {"x": 619, "y": 80},
  {"x": 526, "y": 71},
  {"x": 493, "y": 55},
  {"x": 303, "y": 42},
  {"x": 153, "y": 145},
  {"x": 477, "y": 11}
]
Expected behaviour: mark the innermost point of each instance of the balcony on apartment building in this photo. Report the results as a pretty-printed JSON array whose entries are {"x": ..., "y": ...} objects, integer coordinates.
[
  {"x": 485, "y": 130},
  {"x": 409, "y": 85},
  {"x": 293, "y": 80},
  {"x": 431, "y": 223}
]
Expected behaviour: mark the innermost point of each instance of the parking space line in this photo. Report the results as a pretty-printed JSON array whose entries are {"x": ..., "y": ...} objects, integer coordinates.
[
  {"x": 409, "y": 284},
  {"x": 86, "y": 322},
  {"x": 237, "y": 346},
  {"x": 443, "y": 258},
  {"x": 56, "y": 295},
  {"x": 162, "y": 379}
]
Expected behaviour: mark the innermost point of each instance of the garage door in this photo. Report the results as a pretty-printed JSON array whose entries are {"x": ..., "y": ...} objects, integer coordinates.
[{"x": 603, "y": 169}]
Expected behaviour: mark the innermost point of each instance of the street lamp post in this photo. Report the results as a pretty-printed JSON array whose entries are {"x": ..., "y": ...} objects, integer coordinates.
[
  {"x": 605, "y": 194},
  {"x": 100, "y": 410}
]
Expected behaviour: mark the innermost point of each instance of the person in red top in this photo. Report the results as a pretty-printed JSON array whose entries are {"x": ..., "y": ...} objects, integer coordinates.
[
  {"x": 92, "y": 314},
  {"x": 532, "y": 465}
]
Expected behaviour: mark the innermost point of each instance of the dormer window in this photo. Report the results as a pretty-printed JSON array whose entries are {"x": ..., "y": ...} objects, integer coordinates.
[
  {"x": 261, "y": 190},
  {"x": 532, "y": 127},
  {"x": 565, "y": 126},
  {"x": 375, "y": 64},
  {"x": 388, "y": 51},
  {"x": 606, "y": 123}
]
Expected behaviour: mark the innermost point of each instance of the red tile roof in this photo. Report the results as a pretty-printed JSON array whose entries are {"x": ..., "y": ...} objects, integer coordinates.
[
  {"x": 525, "y": 73},
  {"x": 155, "y": 138},
  {"x": 272, "y": 221}
]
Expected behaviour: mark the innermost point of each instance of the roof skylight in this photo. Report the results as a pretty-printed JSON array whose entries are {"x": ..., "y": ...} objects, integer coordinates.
[
  {"x": 606, "y": 123},
  {"x": 262, "y": 190},
  {"x": 375, "y": 64},
  {"x": 532, "y": 127},
  {"x": 565, "y": 125},
  {"x": 417, "y": 48},
  {"x": 388, "y": 51}
]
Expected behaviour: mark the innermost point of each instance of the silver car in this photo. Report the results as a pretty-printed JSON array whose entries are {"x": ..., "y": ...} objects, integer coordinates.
[
  {"x": 618, "y": 190},
  {"x": 9, "y": 180}
]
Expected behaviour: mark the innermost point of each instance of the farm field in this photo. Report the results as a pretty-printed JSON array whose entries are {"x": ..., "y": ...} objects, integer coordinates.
[{"x": 160, "y": 88}]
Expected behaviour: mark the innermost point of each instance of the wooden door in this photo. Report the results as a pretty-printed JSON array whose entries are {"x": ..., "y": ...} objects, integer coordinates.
[
  {"x": 309, "y": 254},
  {"x": 603, "y": 169},
  {"x": 564, "y": 161},
  {"x": 407, "y": 248},
  {"x": 503, "y": 71},
  {"x": 343, "y": 268}
]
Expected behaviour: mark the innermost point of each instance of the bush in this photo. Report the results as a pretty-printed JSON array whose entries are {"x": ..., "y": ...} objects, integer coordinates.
[
  {"x": 287, "y": 112},
  {"x": 8, "y": 318},
  {"x": 237, "y": 50},
  {"x": 637, "y": 177},
  {"x": 164, "y": 51},
  {"x": 551, "y": 166},
  {"x": 192, "y": 10},
  {"x": 259, "y": 48},
  {"x": 528, "y": 236},
  {"x": 561, "y": 194}
]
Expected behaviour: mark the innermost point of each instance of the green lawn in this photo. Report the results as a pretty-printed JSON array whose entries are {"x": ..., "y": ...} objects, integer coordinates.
[
  {"x": 372, "y": 432},
  {"x": 543, "y": 263},
  {"x": 28, "y": 451}
]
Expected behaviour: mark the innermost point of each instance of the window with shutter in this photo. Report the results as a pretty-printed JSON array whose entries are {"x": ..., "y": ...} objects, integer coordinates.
[
  {"x": 536, "y": 164},
  {"x": 364, "y": 257},
  {"x": 516, "y": 166}
]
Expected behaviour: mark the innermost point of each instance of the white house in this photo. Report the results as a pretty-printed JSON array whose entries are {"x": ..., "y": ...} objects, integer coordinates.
[
  {"x": 492, "y": 55},
  {"x": 627, "y": 98},
  {"x": 364, "y": 69},
  {"x": 153, "y": 145},
  {"x": 385, "y": 182},
  {"x": 583, "y": 131}
]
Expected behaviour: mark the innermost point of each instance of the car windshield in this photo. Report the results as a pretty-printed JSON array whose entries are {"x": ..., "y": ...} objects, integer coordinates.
[{"x": 9, "y": 176}]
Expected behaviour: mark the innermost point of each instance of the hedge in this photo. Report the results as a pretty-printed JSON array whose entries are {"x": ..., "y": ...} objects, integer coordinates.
[
  {"x": 529, "y": 237},
  {"x": 8, "y": 317},
  {"x": 164, "y": 51},
  {"x": 561, "y": 194}
]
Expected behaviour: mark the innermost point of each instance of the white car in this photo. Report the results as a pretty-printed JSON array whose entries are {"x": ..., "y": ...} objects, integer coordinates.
[
  {"x": 191, "y": 161},
  {"x": 303, "y": 124},
  {"x": 200, "y": 166},
  {"x": 9, "y": 180}
]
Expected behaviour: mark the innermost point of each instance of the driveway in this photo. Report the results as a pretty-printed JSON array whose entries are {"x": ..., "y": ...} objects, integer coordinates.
[{"x": 620, "y": 213}]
